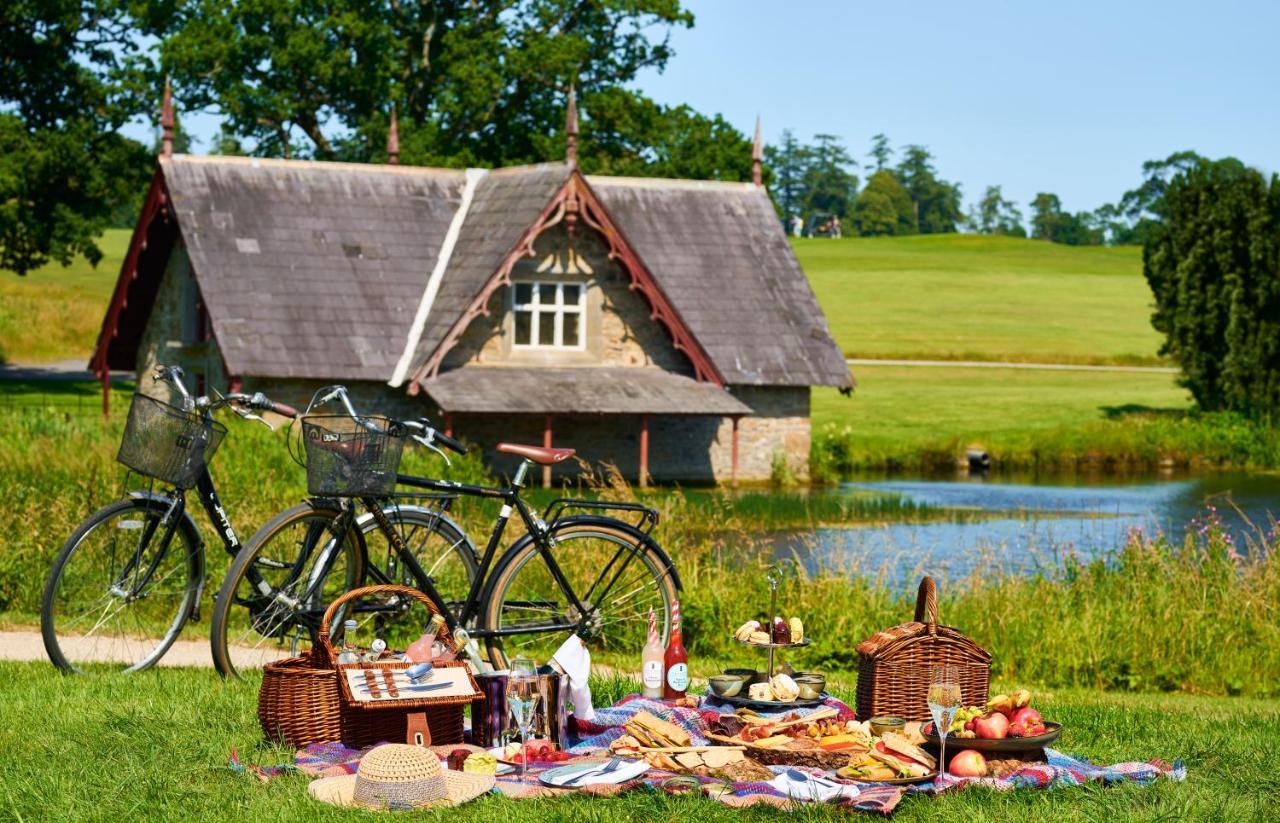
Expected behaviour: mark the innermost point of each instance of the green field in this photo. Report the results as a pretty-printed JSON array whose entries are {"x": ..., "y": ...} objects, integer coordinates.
[
  {"x": 156, "y": 746},
  {"x": 55, "y": 313},
  {"x": 974, "y": 297}
]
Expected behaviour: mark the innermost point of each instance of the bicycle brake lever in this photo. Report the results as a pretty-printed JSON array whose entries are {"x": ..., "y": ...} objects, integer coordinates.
[
  {"x": 252, "y": 416},
  {"x": 424, "y": 441}
]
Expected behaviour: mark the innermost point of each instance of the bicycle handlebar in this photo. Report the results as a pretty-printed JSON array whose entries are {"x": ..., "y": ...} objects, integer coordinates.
[{"x": 432, "y": 437}]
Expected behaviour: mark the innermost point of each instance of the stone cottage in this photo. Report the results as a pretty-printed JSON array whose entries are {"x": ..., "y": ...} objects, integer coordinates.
[{"x": 662, "y": 326}]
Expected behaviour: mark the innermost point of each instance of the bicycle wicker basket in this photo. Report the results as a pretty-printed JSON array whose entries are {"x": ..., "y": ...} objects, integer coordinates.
[
  {"x": 165, "y": 442},
  {"x": 894, "y": 664},
  {"x": 303, "y": 700},
  {"x": 351, "y": 458}
]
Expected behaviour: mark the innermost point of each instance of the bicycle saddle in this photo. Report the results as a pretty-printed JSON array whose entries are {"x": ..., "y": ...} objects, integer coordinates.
[{"x": 537, "y": 454}]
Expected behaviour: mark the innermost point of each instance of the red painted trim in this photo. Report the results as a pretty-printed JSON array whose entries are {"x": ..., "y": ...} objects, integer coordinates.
[
  {"x": 644, "y": 450},
  {"x": 575, "y": 198},
  {"x": 546, "y": 443},
  {"x": 153, "y": 206}
]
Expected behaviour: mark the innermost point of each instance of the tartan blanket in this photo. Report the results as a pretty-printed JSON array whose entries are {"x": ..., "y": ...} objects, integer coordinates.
[{"x": 1064, "y": 770}]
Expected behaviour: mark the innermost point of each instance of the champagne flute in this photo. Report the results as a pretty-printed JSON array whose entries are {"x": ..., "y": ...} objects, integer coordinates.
[
  {"x": 944, "y": 700},
  {"x": 522, "y": 699}
]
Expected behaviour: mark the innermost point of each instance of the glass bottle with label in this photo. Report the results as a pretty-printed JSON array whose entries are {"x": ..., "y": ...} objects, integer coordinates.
[
  {"x": 676, "y": 660},
  {"x": 349, "y": 653},
  {"x": 420, "y": 650},
  {"x": 652, "y": 670}
]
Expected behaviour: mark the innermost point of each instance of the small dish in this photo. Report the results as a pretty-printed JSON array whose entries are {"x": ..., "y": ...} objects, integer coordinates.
[
  {"x": 880, "y": 725},
  {"x": 750, "y": 675},
  {"x": 726, "y": 685},
  {"x": 811, "y": 684}
]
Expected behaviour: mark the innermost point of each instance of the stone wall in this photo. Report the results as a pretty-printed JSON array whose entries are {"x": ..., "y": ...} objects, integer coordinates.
[{"x": 170, "y": 336}]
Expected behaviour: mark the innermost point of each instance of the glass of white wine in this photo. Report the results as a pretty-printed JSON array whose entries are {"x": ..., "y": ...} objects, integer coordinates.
[
  {"x": 944, "y": 700},
  {"x": 522, "y": 700}
]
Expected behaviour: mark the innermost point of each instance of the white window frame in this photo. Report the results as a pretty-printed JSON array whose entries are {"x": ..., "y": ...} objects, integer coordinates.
[{"x": 536, "y": 308}]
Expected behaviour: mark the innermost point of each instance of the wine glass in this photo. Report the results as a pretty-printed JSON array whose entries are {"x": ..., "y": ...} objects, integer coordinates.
[
  {"x": 944, "y": 699},
  {"x": 522, "y": 700}
]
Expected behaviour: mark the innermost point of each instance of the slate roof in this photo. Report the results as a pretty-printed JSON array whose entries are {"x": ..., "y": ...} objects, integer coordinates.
[
  {"x": 309, "y": 269},
  {"x": 491, "y": 389},
  {"x": 720, "y": 254}
]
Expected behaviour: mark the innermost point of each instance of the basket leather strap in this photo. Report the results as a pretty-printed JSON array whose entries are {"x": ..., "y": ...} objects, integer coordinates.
[{"x": 418, "y": 733}]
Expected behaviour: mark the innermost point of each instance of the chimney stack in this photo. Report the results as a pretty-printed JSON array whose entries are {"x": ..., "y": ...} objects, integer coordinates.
[
  {"x": 757, "y": 157},
  {"x": 167, "y": 121},
  {"x": 571, "y": 130},
  {"x": 393, "y": 139}
]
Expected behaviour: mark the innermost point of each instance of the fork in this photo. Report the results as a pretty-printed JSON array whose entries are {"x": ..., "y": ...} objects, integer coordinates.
[{"x": 612, "y": 766}]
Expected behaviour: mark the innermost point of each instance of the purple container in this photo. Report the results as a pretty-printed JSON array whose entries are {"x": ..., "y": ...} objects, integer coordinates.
[{"x": 489, "y": 715}]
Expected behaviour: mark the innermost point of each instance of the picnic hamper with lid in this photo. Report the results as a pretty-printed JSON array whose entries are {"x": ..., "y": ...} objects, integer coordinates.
[
  {"x": 894, "y": 664},
  {"x": 310, "y": 699}
]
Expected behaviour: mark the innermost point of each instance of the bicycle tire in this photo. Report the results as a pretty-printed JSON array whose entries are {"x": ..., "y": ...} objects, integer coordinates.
[
  {"x": 273, "y": 616},
  {"x": 59, "y": 648},
  {"x": 506, "y": 575}
]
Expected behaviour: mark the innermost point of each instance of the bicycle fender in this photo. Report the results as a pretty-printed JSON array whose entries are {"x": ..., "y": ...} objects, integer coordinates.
[
  {"x": 587, "y": 520},
  {"x": 364, "y": 520},
  {"x": 188, "y": 523}
]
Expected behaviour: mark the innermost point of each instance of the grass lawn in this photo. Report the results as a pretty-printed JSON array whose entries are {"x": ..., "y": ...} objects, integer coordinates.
[
  {"x": 971, "y": 297},
  {"x": 905, "y": 408},
  {"x": 156, "y": 745},
  {"x": 54, "y": 313}
]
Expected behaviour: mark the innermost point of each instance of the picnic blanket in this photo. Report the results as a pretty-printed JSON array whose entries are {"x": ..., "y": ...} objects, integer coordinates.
[{"x": 788, "y": 788}]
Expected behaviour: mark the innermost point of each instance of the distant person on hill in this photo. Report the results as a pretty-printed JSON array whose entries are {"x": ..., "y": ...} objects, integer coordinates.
[
  {"x": 835, "y": 227},
  {"x": 797, "y": 226}
]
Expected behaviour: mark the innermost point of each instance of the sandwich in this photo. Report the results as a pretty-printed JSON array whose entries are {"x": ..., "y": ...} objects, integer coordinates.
[{"x": 900, "y": 754}]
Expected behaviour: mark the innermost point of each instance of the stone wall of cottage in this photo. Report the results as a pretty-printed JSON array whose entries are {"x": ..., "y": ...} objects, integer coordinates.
[{"x": 170, "y": 336}]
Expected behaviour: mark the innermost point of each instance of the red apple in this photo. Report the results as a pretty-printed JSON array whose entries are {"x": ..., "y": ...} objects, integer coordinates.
[
  {"x": 968, "y": 725},
  {"x": 1027, "y": 716},
  {"x": 969, "y": 763},
  {"x": 993, "y": 726}
]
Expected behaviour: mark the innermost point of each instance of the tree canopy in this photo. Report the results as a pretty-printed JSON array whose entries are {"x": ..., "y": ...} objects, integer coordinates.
[
  {"x": 936, "y": 202},
  {"x": 993, "y": 214},
  {"x": 1213, "y": 263},
  {"x": 884, "y": 207}
]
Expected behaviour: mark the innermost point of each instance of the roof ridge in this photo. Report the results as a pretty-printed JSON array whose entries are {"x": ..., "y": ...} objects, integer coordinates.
[
  {"x": 256, "y": 162},
  {"x": 669, "y": 182}
]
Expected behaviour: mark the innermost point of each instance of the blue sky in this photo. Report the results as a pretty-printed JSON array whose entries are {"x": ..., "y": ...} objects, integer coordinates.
[
  {"x": 1068, "y": 97},
  {"x": 1035, "y": 96}
]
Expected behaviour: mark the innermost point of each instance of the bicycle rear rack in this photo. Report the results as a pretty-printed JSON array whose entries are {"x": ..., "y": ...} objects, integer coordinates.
[{"x": 648, "y": 517}]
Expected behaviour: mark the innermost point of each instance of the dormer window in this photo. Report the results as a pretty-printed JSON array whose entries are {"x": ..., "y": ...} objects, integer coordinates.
[{"x": 549, "y": 315}]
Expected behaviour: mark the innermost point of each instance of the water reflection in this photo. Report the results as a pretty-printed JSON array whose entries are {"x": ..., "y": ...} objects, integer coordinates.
[{"x": 1033, "y": 524}]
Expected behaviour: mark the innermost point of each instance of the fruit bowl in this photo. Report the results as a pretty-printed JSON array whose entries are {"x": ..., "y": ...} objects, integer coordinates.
[{"x": 1002, "y": 745}]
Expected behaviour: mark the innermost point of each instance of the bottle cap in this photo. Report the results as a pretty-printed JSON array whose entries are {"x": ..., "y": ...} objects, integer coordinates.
[{"x": 378, "y": 646}]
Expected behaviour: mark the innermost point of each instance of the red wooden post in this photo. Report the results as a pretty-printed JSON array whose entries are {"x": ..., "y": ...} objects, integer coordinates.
[
  {"x": 106, "y": 391},
  {"x": 448, "y": 424},
  {"x": 734, "y": 470},
  {"x": 546, "y": 442},
  {"x": 644, "y": 451}
]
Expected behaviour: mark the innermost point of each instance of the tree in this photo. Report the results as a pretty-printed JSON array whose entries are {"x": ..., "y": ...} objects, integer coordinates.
[
  {"x": 1132, "y": 219},
  {"x": 880, "y": 151},
  {"x": 829, "y": 186},
  {"x": 995, "y": 215},
  {"x": 475, "y": 82},
  {"x": 1050, "y": 222},
  {"x": 1213, "y": 264},
  {"x": 884, "y": 207},
  {"x": 72, "y": 76},
  {"x": 788, "y": 161},
  {"x": 936, "y": 202}
]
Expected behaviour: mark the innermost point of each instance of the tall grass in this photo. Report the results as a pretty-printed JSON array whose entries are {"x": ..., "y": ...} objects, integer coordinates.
[{"x": 1200, "y": 616}]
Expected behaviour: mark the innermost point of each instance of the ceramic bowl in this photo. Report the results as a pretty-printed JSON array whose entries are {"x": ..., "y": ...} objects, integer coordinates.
[
  {"x": 811, "y": 684},
  {"x": 726, "y": 685},
  {"x": 880, "y": 725},
  {"x": 750, "y": 675}
]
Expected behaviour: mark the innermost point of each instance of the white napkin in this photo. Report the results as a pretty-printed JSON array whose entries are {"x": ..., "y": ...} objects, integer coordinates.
[
  {"x": 812, "y": 788},
  {"x": 629, "y": 770},
  {"x": 574, "y": 659}
]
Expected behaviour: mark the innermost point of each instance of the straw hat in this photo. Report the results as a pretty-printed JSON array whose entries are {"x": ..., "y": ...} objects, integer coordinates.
[{"x": 399, "y": 776}]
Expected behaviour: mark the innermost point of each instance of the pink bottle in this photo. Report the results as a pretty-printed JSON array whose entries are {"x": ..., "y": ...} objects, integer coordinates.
[{"x": 420, "y": 650}]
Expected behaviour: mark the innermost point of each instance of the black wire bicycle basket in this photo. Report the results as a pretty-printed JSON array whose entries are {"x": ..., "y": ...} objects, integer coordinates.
[
  {"x": 165, "y": 442},
  {"x": 352, "y": 458}
]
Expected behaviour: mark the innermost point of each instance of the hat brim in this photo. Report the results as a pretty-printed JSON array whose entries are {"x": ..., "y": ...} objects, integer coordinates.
[{"x": 459, "y": 787}]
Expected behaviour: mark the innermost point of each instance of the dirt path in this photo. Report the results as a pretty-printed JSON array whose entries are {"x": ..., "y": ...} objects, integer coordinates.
[
  {"x": 1000, "y": 364},
  {"x": 19, "y": 644}
]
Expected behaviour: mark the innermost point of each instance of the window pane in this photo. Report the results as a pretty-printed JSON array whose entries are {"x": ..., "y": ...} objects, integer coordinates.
[
  {"x": 524, "y": 323},
  {"x": 571, "y": 294},
  {"x": 546, "y": 328},
  {"x": 571, "y": 329},
  {"x": 524, "y": 293},
  {"x": 547, "y": 294}
]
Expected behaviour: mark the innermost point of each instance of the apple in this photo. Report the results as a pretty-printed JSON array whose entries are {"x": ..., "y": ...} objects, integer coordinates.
[
  {"x": 969, "y": 763},
  {"x": 1027, "y": 716},
  {"x": 993, "y": 726}
]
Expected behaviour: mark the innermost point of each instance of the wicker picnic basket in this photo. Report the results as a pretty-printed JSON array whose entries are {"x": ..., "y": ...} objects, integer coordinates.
[
  {"x": 305, "y": 700},
  {"x": 894, "y": 664}
]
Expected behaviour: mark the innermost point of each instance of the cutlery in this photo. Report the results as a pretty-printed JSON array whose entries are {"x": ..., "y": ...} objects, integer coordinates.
[{"x": 612, "y": 766}]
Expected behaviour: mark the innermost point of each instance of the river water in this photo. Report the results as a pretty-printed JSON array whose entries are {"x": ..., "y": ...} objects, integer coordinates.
[{"x": 1025, "y": 524}]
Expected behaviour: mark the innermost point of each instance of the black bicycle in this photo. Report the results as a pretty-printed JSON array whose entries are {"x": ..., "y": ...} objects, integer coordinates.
[{"x": 577, "y": 569}]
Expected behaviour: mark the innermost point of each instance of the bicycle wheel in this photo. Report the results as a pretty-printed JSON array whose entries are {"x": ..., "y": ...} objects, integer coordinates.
[
  {"x": 276, "y": 591},
  {"x": 119, "y": 593},
  {"x": 442, "y": 550},
  {"x": 617, "y": 573}
]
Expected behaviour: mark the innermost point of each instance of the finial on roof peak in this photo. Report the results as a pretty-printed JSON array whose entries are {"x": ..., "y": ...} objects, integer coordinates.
[
  {"x": 167, "y": 120},
  {"x": 757, "y": 156},
  {"x": 571, "y": 129},
  {"x": 393, "y": 139}
]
